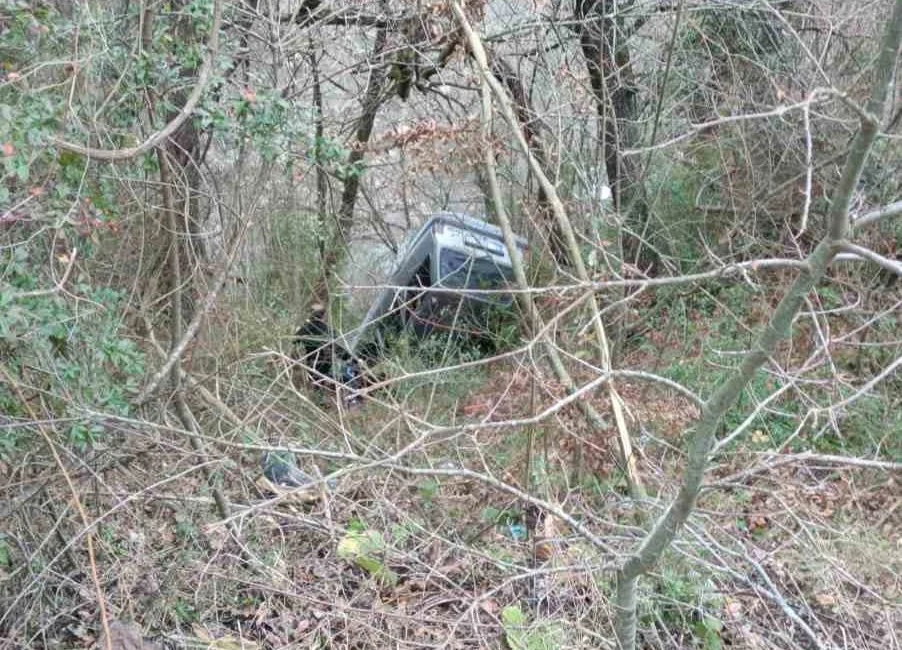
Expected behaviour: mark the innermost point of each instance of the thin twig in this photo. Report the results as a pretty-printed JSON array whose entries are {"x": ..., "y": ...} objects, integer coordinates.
[
  {"x": 864, "y": 463},
  {"x": 85, "y": 531},
  {"x": 702, "y": 127},
  {"x": 864, "y": 390},
  {"x": 55, "y": 289},
  {"x": 809, "y": 169},
  {"x": 574, "y": 253},
  {"x": 89, "y": 538}
]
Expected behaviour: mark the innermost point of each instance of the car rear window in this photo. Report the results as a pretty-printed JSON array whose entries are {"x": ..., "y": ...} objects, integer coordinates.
[{"x": 458, "y": 270}]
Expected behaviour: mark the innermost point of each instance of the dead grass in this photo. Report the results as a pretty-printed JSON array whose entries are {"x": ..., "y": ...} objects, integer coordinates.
[{"x": 824, "y": 541}]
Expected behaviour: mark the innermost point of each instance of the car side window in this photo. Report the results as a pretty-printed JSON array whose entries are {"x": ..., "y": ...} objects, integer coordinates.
[{"x": 459, "y": 270}]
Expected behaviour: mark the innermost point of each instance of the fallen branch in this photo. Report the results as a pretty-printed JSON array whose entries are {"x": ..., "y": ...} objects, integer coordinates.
[
  {"x": 864, "y": 463},
  {"x": 48, "y": 566},
  {"x": 769, "y": 590},
  {"x": 82, "y": 513}
]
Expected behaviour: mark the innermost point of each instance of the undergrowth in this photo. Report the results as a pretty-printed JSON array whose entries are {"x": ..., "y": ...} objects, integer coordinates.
[{"x": 710, "y": 330}]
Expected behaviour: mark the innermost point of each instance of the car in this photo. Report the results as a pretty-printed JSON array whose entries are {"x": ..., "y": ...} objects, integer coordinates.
[
  {"x": 440, "y": 273},
  {"x": 447, "y": 277}
]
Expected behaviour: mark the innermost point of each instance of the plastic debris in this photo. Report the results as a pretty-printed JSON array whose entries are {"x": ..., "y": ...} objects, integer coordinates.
[{"x": 281, "y": 468}]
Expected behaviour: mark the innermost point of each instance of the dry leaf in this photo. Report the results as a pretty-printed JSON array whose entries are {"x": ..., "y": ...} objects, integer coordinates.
[
  {"x": 551, "y": 531},
  {"x": 490, "y": 606},
  {"x": 227, "y": 642},
  {"x": 826, "y": 600},
  {"x": 297, "y": 495},
  {"x": 732, "y": 608},
  {"x": 125, "y": 637},
  {"x": 544, "y": 551},
  {"x": 758, "y": 522}
]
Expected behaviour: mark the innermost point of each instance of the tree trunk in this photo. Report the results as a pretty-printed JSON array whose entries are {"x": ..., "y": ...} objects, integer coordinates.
[
  {"x": 179, "y": 157},
  {"x": 531, "y": 125},
  {"x": 607, "y": 56},
  {"x": 373, "y": 99}
]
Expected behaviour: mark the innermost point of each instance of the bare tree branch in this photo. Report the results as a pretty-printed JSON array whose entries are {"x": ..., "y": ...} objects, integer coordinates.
[
  {"x": 863, "y": 463},
  {"x": 864, "y": 390},
  {"x": 778, "y": 328},
  {"x": 194, "y": 326},
  {"x": 887, "y": 211},
  {"x": 563, "y": 223},
  {"x": 884, "y": 262}
]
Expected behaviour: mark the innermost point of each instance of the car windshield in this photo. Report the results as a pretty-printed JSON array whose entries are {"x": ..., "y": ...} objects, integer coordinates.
[{"x": 458, "y": 270}]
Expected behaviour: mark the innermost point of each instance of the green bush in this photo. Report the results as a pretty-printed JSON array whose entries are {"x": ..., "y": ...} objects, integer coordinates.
[{"x": 68, "y": 357}]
